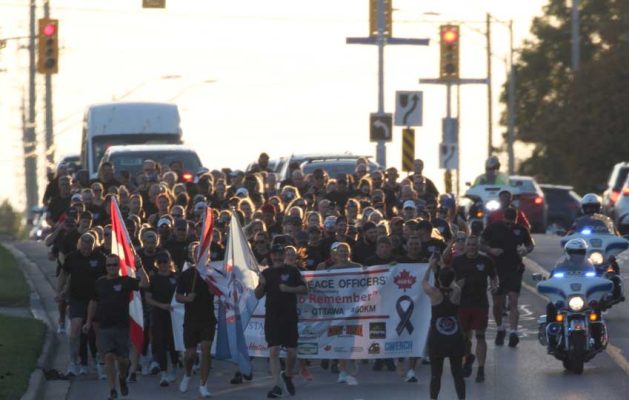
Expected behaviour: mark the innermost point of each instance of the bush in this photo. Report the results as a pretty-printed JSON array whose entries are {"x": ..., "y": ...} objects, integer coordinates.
[{"x": 10, "y": 220}]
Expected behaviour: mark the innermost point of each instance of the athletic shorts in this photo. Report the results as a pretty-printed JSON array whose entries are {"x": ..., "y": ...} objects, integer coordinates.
[
  {"x": 281, "y": 333},
  {"x": 114, "y": 340},
  {"x": 78, "y": 308},
  {"x": 510, "y": 281},
  {"x": 197, "y": 332},
  {"x": 473, "y": 318}
]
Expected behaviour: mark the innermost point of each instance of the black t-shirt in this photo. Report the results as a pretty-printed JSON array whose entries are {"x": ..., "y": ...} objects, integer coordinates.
[
  {"x": 314, "y": 256},
  {"x": 148, "y": 260},
  {"x": 377, "y": 260},
  {"x": 201, "y": 310},
  {"x": 162, "y": 287},
  {"x": 475, "y": 271},
  {"x": 279, "y": 305},
  {"x": 508, "y": 238},
  {"x": 66, "y": 242},
  {"x": 433, "y": 245},
  {"x": 83, "y": 271},
  {"x": 406, "y": 259},
  {"x": 58, "y": 206},
  {"x": 178, "y": 250},
  {"x": 112, "y": 296},
  {"x": 362, "y": 251}
]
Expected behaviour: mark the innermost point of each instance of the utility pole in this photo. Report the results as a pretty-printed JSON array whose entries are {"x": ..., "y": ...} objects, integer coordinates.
[
  {"x": 29, "y": 139},
  {"x": 50, "y": 138},
  {"x": 576, "y": 51},
  {"x": 490, "y": 106},
  {"x": 511, "y": 104}
]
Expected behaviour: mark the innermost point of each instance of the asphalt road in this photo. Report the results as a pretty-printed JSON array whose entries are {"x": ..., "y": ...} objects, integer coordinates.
[{"x": 525, "y": 372}]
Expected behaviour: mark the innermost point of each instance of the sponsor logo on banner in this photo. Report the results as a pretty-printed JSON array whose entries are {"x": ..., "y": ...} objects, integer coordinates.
[
  {"x": 398, "y": 347},
  {"x": 345, "y": 330},
  {"x": 404, "y": 280},
  {"x": 307, "y": 349},
  {"x": 357, "y": 350},
  {"x": 310, "y": 333},
  {"x": 374, "y": 348},
  {"x": 327, "y": 348},
  {"x": 377, "y": 330},
  {"x": 340, "y": 349}
]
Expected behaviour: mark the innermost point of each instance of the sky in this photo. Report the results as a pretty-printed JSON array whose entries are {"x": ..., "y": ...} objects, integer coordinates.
[{"x": 252, "y": 76}]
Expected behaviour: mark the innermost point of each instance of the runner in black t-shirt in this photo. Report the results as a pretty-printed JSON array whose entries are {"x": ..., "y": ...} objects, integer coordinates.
[
  {"x": 430, "y": 244},
  {"x": 507, "y": 242},
  {"x": 384, "y": 253},
  {"x": 82, "y": 267},
  {"x": 473, "y": 270},
  {"x": 110, "y": 304},
  {"x": 365, "y": 247},
  {"x": 199, "y": 325},
  {"x": 281, "y": 284},
  {"x": 159, "y": 296}
]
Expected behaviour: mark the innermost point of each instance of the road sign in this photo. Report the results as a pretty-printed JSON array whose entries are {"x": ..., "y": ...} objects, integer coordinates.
[
  {"x": 448, "y": 156},
  {"x": 450, "y": 130},
  {"x": 408, "y": 149},
  {"x": 408, "y": 108},
  {"x": 380, "y": 127}
]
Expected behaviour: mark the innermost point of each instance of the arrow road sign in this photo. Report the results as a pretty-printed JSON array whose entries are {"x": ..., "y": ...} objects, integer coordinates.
[
  {"x": 448, "y": 156},
  {"x": 380, "y": 127},
  {"x": 408, "y": 108}
]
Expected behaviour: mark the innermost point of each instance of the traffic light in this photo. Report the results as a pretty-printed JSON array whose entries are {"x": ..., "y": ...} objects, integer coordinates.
[
  {"x": 388, "y": 17},
  {"x": 48, "y": 46},
  {"x": 449, "y": 66}
]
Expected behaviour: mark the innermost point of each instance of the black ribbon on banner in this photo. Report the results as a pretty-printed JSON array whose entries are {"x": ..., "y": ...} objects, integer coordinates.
[{"x": 405, "y": 315}]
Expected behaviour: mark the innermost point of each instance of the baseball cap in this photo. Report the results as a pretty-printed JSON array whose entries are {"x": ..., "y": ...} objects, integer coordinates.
[
  {"x": 200, "y": 205},
  {"x": 409, "y": 204},
  {"x": 163, "y": 221},
  {"x": 334, "y": 246},
  {"x": 242, "y": 192},
  {"x": 329, "y": 222},
  {"x": 76, "y": 197}
]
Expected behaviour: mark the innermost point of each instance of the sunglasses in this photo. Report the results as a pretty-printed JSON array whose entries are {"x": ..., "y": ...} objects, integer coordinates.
[{"x": 111, "y": 265}]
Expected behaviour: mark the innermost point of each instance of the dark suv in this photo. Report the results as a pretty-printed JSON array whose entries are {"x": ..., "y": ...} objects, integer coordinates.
[
  {"x": 333, "y": 164},
  {"x": 563, "y": 206},
  {"x": 614, "y": 185}
]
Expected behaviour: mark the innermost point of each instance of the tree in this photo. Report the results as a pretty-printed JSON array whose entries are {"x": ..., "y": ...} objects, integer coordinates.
[
  {"x": 577, "y": 121},
  {"x": 10, "y": 220}
]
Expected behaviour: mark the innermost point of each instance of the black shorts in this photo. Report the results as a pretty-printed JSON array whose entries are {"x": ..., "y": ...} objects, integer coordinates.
[
  {"x": 114, "y": 340},
  {"x": 281, "y": 333},
  {"x": 197, "y": 332},
  {"x": 78, "y": 308},
  {"x": 509, "y": 281}
]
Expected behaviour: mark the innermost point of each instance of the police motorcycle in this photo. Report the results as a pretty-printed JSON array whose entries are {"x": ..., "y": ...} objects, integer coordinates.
[
  {"x": 574, "y": 329},
  {"x": 603, "y": 249},
  {"x": 481, "y": 200}
]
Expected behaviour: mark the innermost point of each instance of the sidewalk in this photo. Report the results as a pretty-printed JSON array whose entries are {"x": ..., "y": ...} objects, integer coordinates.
[{"x": 40, "y": 275}]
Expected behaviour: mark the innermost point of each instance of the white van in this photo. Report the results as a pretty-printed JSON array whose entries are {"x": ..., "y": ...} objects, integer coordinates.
[{"x": 106, "y": 125}]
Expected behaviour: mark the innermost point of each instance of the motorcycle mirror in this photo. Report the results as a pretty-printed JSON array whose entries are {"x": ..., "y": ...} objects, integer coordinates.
[
  {"x": 537, "y": 277},
  {"x": 468, "y": 183},
  {"x": 561, "y": 232}
]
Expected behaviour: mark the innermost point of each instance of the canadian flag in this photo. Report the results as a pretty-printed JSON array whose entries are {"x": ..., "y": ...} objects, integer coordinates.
[{"x": 122, "y": 247}]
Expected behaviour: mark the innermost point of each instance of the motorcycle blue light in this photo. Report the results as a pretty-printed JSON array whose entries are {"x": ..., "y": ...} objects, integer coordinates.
[
  {"x": 586, "y": 231},
  {"x": 559, "y": 275},
  {"x": 590, "y": 274}
]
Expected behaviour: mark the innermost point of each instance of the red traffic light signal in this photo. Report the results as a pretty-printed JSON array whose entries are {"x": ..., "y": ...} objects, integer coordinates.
[
  {"x": 49, "y": 29},
  {"x": 450, "y": 35}
]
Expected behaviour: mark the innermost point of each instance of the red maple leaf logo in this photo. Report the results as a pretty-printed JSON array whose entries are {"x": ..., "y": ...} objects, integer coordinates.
[{"x": 404, "y": 280}]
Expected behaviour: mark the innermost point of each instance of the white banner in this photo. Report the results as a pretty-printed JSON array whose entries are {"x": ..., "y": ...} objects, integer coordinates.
[{"x": 375, "y": 312}]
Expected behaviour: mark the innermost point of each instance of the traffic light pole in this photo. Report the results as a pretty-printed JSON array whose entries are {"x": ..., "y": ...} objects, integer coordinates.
[
  {"x": 490, "y": 105},
  {"x": 29, "y": 139},
  {"x": 50, "y": 139}
]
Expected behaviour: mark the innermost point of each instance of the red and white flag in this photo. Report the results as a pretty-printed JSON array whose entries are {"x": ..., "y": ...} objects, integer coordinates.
[
  {"x": 122, "y": 247},
  {"x": 204, "y": 254}
]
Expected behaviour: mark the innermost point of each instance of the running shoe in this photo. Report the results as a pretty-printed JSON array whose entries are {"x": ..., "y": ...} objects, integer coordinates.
[
  {"x": 288, "y": 383},
  {"x": 500, "y": 337},
  {"x": 513, "y": 340},
  {"x": 275, "y": 393}
]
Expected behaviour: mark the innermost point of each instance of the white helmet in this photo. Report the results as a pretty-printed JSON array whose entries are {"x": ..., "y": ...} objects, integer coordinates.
[
  {"x": 591, "y": 203},
  {"x": 492, "y": 162},
  {"x": 576, "y": 246}
]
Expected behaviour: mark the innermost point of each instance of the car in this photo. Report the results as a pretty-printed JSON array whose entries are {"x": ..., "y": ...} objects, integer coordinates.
[
  {"x": 333, "y": 164},
  {"x": 131, "y": 158},
  {"x": 621, "y": 210},
  {"x": 72, "y": 163},
  {"x": 530, "y": 199},
  {"x": 275, "y": 164},
  {"x": 617, "y": 178},
  {"x": 564, "y": 206}
]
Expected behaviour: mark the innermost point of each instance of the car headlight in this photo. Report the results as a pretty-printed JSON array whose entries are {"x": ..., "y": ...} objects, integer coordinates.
[
  {"x": 576, "y": 303},
  {"x": 596, "y": 258},
  {"x": 492, "y": 205}
]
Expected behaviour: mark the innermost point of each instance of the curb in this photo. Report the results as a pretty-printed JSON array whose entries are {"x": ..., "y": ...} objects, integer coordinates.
[{"x": 37, "y": 380}]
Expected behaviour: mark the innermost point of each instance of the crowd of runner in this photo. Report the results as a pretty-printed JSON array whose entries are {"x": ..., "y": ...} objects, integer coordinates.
[{"x": 308, "y": 222}]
